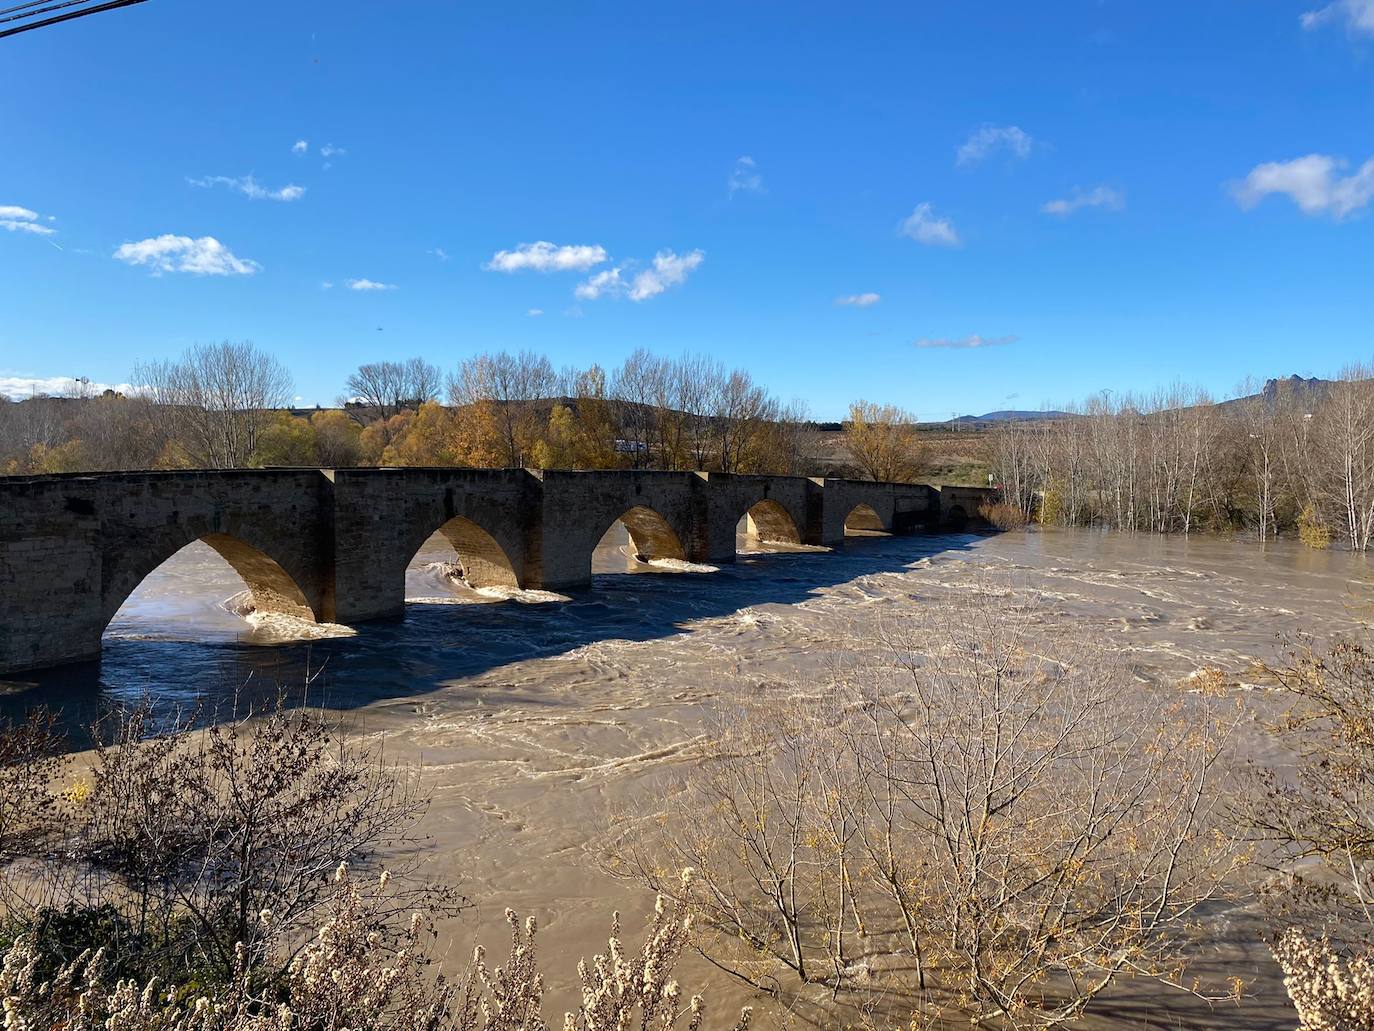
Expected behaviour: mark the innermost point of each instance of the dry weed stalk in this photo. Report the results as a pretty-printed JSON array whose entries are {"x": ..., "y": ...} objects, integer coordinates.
[
  {"x": 986, "y": 823},
  {"x": 351, "y": 975}
]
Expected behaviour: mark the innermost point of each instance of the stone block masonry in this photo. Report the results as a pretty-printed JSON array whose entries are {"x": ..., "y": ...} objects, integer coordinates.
[{"x": 334, "y": 544}]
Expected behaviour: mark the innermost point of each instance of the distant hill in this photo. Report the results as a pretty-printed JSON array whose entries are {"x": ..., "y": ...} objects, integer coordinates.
[
  {"x": 1011, "y": 415},
  {"x": 1299, "y": 387}
]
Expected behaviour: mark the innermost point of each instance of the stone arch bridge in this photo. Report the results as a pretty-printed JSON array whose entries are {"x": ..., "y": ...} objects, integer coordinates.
[{"x": 334, "y": 544}]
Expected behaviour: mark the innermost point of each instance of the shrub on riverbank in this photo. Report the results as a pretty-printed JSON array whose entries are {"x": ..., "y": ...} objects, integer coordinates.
[{"x": 1003, "y": 516}]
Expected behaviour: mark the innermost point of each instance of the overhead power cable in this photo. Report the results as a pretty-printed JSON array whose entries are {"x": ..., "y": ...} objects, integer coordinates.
[{"x": 27, "y": 16}]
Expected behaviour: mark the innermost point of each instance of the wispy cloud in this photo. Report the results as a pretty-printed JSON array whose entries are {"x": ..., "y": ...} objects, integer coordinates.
[
  {"x": 543, "y": 256},
  {"x": 859, "y": 300},
  {"x": 1356, "y": 15},
  {"x": 22, "y": 220},
  {"x": 201, "y": 256},
  {"x": 605, "y": 283},
  {"x": 967, "y": 343},
  {"x": 923, "y": 226},
  {"x": 329, "y": 151},
  {"x": 1097, "y": 197},
  {"x": 20, "y": 387},
  {"x": 990, "y": 139},
  {"x": 369, "y": 284},
  {"x": 300, "y": 147},
  {"x": 534, "y": 313},
  {"x": 439, "y": 253},
  {"x": 250, "y": 187},
  {"x": 1312, "y": 183},
  {"x": 745, "y": 177},
  {"x": 668, "y": 270}
]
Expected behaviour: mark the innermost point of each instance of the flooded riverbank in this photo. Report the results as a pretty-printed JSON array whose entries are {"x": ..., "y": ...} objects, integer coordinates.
[{"x": 537, "y": 718}]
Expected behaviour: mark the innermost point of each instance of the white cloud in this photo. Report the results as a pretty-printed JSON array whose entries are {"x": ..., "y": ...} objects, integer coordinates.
[
  {"x": 203, "y": 256},
  {"x": 300, "y": 147},
  {"x": 1312, "y": 183},
  {"x": 369, "y": 284},
  {"x": 1098, "y": 197},
  {"x": 991, "y": 138},
  {"x": 326, "y": 285},
  {"x": 859, "y": 300},
  {"x": 1357, "y": 16},
  {"x": 968, "y": 343},
  {"x": 606, "y": 282},
  {"x": 669, "y": 270},
  {"x": 331, "y": 151},
  {"x": 534, "y": 313},
  {"x": 439, "y": 253},
  {"x": 922, "y": 225},
  {"x": 745, "y": 177},
  {"x": 22, "y": 220},
  {"x": 543, "y": 256},
  {"x": 250, "y": 187},
  {"x": 20, "y": 387}
]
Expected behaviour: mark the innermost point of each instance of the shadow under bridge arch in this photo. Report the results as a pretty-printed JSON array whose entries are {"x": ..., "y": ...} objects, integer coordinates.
[
  {"x": 864, "y": 519},
  {"x": 482, "y": 561},
  {"x": 651, "y": 536},
  {"x": 767, "y": 520}
]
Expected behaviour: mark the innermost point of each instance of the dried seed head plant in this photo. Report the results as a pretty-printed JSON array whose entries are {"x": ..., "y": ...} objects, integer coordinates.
[
  {"x": 350, "y": 975},
  {"x": 989, "y": 821}
]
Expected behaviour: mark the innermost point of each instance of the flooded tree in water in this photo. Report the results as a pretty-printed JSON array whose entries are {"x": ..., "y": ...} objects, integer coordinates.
[{"x": 982, "y": 822}]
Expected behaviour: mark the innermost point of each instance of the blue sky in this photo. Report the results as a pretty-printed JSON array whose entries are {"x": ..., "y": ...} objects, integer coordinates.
[{"x": 715, "y": 178}]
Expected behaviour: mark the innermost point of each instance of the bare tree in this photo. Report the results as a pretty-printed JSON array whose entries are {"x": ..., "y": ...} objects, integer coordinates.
[
  {"x": 509, "y": 382},
  {"x": 191, "y": 837},
  {"x": 744, "y": 410},
  {"x": 384, "y": 389},
  {"x": 983, "y": 821},
  {"x": 638, "y": 386},
  {"x": 1345, "y": 455},
  {"x": 216, "y": 399}
]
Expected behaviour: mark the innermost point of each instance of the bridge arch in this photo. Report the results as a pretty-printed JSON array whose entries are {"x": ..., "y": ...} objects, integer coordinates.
[
  {"x": 484, "y": 562},
  {"x": 769, "y": 520},
  {"x": 651, "y": 534},
  {"x": 865, "y": 519},
  {"x": 271, "y": 587}
]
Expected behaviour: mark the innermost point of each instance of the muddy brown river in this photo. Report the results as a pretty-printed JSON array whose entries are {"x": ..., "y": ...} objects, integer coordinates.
[{"x": 537, "y": 717}]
